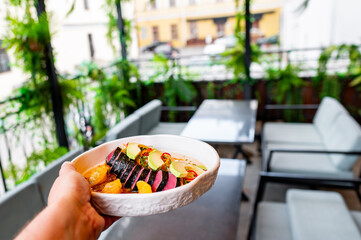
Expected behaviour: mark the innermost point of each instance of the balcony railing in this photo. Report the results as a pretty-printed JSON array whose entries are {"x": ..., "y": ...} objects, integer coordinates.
[{"x": 21, "y": 136}]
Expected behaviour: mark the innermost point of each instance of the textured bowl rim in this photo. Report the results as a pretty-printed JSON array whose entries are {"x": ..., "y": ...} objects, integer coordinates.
[{"x": 186, "y": 187}]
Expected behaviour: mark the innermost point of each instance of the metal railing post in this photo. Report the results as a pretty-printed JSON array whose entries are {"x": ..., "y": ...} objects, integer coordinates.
[
  {"x": 56, "y": 98},
  {"x": 2, "y": 176},
  {"x": 247, "y": 91},
  {"x": 120, "y": 24}
]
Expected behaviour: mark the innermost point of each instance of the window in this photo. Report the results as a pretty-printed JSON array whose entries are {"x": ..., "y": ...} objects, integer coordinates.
[
  {"x": 4, "y": 60},
  {"x": 155, "y": 33},
  {"x": 171, "y": 3},
  {"x": 192, "y": 2},
  {"x": 220, "y": 29},
  {"x": 86, "y": 5},
  {"x": 91, "y": 47},
  {"x": 144, "y": 33},
  {"x": 193, "y": 29},
  {"x": 174, "y": 31}
]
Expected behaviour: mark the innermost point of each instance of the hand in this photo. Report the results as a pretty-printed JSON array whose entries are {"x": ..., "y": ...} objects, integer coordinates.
[
  {"x": 72, "y": 188},
  {"x": 69, "y": 214}
]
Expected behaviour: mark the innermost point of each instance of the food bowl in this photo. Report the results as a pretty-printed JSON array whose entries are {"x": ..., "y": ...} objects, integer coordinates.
[{"x": 158, "y": 202}]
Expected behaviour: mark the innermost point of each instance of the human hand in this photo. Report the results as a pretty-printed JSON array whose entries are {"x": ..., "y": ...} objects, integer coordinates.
[
  {"x": 72, "y": 192},
  {"x": 69, "y": 214}
]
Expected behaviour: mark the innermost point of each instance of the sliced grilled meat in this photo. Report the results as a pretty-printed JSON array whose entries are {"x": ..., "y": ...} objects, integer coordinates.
[
  {"x": 128, "y": 172},
  {"x": 172, "y": 182},
  {"x": 114, "y": 156},
  {"x": 157, "y": 181},
  {"x": 164, "y": 181},
  {"x": 133, "y": 177},
  {"x": 143, "y": 175},
  {"x": 151, "y": 177},
  {"x": 118, "y": 166}
]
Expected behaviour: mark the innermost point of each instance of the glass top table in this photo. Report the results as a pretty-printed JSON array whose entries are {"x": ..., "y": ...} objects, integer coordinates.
[
  {"x": 223, "y": 122},
  {"x": 213, "y": 216}
]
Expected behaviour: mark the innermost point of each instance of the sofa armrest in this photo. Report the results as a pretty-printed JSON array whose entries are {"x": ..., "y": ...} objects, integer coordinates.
[
  {"x": 290, "y": 106},
  {"x": 284, "y": 107},
  {"x": 295, "y": 179},
  {"x": 306, "y": 151},
  {"x": 179, "y": 108}
]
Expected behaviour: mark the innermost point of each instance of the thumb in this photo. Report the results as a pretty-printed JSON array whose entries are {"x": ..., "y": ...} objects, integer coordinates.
[{"x": 66, "y": 168}]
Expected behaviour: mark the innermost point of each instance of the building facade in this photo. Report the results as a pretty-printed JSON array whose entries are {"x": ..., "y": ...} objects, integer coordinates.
[
  {"x": 78, "y": 37},
  {"x": 195, "y": 22}
]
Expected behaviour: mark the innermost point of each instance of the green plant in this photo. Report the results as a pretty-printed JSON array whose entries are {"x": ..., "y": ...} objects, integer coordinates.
[
  {"x": 286, "y": 85},
  {"x": 356, "y": 82},
  {"x": 235, "y": 57},
  {"x": 210, "y": 90},
  {"x": 329, "y": 83},
  {"x": 129, "y": 78},
  {"x": 176, "y": 82},
  {"x": 35, "y": 162},
  {"x": 125, "y": 69},
  {"x": 28, "y": 36},
  {"x": 112, "y": 31},
  {"x": 111, "y": 97}
]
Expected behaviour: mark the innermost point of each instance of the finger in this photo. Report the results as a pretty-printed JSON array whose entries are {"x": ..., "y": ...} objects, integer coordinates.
[
  {"x": 66, "y": 168},
  {"x": 109, "y": 220}
]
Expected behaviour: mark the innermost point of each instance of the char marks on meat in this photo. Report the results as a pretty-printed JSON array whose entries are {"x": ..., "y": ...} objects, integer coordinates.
[
  {"x": 127, "y": 171},
  {"x": 133, "y": 177},
  {"x": 114, "y": 156},
  {"x": 143, "y": 175},
  {"x": 164, "y": 181},
  {"x": 151, "y": 178}
]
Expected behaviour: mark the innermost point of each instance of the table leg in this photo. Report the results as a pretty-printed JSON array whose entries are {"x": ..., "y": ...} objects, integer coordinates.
[
  {"x": 240, "y": 150},
  {"x": 244, "y": 197}
]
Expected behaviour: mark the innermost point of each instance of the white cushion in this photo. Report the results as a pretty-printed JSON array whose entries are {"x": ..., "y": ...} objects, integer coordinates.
[
  {"x": 326, "y": 115},
  {"x": 317, "y": 165},
  {"x": 272, "y": 222},
  {"x": 356, "y": 215},
  {"x": 149, "y": 115},
  {"x": 167, "y": 128},
  {"x": 319, "y": 215},
  {"x": 346, "y": 136},
  {"x": 291, "y": 133},
  {"x": 266, "y": 147},
  {"x": 129, "y": 126}
]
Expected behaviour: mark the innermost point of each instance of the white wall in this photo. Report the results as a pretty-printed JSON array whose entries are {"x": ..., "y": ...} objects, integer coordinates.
[
  {"x": 70, "y": 41},
  {"x": 322, "y": 23},
  {"x": 70, "y": 38}
]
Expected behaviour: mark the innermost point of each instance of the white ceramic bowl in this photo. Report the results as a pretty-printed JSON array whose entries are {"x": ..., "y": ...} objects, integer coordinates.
[{"x": 159, "y": 202}]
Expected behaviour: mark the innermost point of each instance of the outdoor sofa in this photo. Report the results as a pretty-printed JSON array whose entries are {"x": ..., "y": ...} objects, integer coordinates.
[
  {"x": 21, "y": 204},
  {"x": 307, "y": 214},
  {"x": 327, "y": 148},
  {"x": 144, "y": 121}
]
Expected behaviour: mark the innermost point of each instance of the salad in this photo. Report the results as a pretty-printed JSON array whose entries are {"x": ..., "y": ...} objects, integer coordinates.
[{"x": 137, "y": 168}]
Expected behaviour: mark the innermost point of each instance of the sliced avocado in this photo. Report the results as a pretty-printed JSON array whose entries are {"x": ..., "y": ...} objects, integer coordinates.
[
  {"x": 202, "y": 167},
  {"x": 198, "y": 170},
  {"x": 180, "y": 169},
  {"x": 154, "y": 160},
  {"x": 132, "y": 150}
]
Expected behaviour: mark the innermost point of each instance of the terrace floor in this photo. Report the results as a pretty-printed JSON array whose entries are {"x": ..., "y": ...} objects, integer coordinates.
[{"x": 274, "y": 192}]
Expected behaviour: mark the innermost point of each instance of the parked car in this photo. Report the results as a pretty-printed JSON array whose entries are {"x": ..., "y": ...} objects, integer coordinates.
[
  {"x": 164, "y": 48},
  {"x": 220, "y": 45}
]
